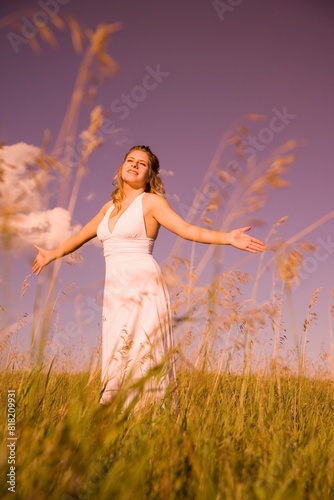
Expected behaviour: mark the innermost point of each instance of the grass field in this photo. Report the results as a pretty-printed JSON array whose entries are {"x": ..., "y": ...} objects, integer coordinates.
[{"x": 215, "y": 437}]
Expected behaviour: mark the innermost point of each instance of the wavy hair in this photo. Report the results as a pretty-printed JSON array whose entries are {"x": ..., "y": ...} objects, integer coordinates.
[{"x": 154, "y": 183}]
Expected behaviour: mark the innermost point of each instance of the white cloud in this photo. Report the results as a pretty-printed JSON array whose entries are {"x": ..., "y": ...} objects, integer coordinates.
[
  {"x": 21, "y": 182},
  {"x": 23, "y": 191},
  {"x": 48, "y": 228},
  {"x": 19, "y": 155},
  {"x": 90, "y": 196},
  {"x": 166, "y": 173}
]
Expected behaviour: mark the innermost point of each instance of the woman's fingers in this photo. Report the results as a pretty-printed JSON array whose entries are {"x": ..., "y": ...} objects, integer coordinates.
[
  {"x": 259, "y": 245},
  {"x": 37, "y": 266},
  {"x": 258, "y": 242},
  {"x": 256, "y": 246},
  {"x": 247, "y": 242}
]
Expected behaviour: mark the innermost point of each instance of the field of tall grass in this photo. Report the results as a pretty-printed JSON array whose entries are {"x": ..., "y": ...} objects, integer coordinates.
[
  {"x": 225, "y": 430},
  {"x": 215, "y": 436}
]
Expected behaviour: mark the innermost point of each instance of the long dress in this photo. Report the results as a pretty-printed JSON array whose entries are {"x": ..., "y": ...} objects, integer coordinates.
[{"x": 136, "y": 315}]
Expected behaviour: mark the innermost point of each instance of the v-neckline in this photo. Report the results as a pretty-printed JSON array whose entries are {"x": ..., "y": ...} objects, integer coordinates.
[{"x": 127, "y": 208}]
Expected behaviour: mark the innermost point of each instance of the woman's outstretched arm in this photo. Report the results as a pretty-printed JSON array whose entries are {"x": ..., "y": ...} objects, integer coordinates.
[
  {"x": 44, "y": 257},
  {"x": 165, "y": 216}
]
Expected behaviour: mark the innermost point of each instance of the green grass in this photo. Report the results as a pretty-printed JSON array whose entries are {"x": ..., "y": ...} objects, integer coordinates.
[{"x": 216, "y": 437}]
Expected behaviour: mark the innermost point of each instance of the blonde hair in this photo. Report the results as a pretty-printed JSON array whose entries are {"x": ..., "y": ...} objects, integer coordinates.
[{"x": 154, "y": 183}]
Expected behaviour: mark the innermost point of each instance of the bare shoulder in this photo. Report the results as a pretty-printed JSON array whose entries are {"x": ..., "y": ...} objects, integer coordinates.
[
  {"x": 153, "y": 201},
  {"x": 106, "y": 206}
]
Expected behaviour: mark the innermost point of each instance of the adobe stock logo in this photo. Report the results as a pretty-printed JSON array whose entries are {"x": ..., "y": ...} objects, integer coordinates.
[
  {"x": 30, "y": 28},
  {"x": 277, "y": 123},
  {"x": 253, "y": 144},
  {"x": 223, "y": 7},
  {"x": 310, "y": 264},
  {"x": 127, "y": 102},
  {"x": 122, "y": 107}
]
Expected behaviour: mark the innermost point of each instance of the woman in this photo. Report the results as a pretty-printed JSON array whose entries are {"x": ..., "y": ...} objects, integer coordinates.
[{"x": 136, "y": 326}]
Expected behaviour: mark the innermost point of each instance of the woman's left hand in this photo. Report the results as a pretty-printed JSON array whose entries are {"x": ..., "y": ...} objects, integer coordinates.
[{"x": 239, "y": 239}]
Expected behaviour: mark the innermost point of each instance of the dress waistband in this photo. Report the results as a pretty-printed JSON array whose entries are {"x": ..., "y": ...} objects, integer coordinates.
[{"x": 114, "y": 245}]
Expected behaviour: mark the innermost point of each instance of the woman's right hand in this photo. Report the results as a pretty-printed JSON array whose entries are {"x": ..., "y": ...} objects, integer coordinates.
[{"x": 43, "y": 258}]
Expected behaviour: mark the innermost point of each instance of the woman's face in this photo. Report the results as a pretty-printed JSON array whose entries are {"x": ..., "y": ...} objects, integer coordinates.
[{"x": 135, "y": 169}]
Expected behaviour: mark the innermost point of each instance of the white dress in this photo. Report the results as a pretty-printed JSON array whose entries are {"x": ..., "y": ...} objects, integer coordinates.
[{"x": 136, "y": 317}]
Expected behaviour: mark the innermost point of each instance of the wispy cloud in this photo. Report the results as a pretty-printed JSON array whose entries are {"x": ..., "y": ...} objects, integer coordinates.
[
  {"x": 46, "y": 228},
  {"x": 24, "y": 178},
  {"x": 21, "y": 182}
]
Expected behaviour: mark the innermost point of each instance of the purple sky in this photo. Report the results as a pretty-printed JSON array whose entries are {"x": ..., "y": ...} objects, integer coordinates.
[{"x": 208, "y": 68}]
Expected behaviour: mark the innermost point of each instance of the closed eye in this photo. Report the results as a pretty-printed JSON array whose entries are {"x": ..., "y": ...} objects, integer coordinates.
[{"x": 132, "y": 160}]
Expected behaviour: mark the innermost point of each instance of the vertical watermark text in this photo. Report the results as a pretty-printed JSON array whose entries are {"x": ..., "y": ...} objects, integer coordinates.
[{"x": 11, "y": 439}]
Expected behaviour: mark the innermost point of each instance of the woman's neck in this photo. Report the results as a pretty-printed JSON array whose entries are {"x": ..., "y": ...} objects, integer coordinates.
[{"x": 130, "y": 194}]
